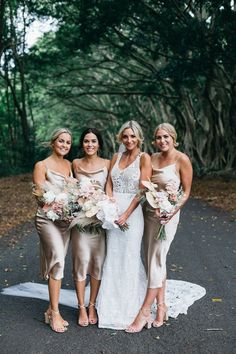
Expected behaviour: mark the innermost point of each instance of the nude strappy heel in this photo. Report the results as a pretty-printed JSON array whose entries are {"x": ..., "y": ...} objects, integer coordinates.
[
  {"x": 52, "y": 318},
  {"x": 92, "y": 320},
  {"x": 82, "y": 323},
  {"x": 164, "y": 311},
  {"x": 145, "y": 321},
  {"x": 47, "y": 315}
]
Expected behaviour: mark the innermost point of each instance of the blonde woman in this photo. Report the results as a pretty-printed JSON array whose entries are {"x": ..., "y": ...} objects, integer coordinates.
[
  {"x": 54, "y": 236},
  {"x": 168, "y": 164},
  {"x": 123, "y": 282}
]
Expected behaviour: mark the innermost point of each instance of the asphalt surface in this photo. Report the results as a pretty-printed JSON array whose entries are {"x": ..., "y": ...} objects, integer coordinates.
[{"x": 203, "y": 252}]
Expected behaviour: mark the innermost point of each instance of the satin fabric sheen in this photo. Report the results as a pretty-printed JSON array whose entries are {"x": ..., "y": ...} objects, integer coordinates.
[
  {"x": 155, "y": 251},
  {"x": 54, "y": 237},
  {"x": 88, "y": 250}
]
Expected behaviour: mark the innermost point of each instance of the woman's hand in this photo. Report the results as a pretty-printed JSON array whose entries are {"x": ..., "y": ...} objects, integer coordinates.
[
  {"x": 113, "y": 199},
  {"x": 165, "y": 218},
  {"x": 157, "y": 213},
  {"x": 122, "y": 219}
]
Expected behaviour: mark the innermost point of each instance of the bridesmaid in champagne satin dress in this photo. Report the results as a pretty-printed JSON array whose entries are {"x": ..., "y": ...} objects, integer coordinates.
[
  {"x": 167, "y": 165},
  {"x": 88, "y": 249},
  {"x": 54, "y": 236}
]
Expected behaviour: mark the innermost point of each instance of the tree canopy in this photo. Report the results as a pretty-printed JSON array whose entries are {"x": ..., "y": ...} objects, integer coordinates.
[{"x": 110, "y": 61}]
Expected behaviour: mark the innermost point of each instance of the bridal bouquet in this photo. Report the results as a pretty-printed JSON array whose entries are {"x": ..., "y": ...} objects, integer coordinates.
[
  {"x": 164, "y": 200},
  {"x": 58, "y": 202},
  {"x": 97, "y": 211}
]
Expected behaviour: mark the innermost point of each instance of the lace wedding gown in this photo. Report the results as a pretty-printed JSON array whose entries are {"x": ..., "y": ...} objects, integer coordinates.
[
  {"x": 124, "y": 282},
  {"x": 179, "y": 295}
]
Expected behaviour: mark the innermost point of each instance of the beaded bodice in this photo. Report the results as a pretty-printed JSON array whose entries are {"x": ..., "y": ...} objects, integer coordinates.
[{"x": 126, "y": 180}]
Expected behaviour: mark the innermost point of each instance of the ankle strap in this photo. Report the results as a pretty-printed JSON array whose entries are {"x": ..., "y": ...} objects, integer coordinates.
[
  {"x": 81, "y": 306},
  {"x": 145, "y": 311},
  {"x": 55, "y": 312},
  {"x": 91, "y": 304}
]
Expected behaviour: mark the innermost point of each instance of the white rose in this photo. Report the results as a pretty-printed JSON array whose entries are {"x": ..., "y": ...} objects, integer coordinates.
[
  {"x": 52, "y": 216},
  {"x": 108, "y": 213},
  {"x": 87, "y": 205},
  {"x": 49, "y": 197},
  {"x": 165, "y": 205},
  {"x": 62, "y": 197}
]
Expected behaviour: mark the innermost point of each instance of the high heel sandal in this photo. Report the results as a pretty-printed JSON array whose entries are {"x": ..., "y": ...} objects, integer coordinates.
[
  {"x": 53, "y": 320},
  {"x": 47, "y": 315},
  {"x": 82, "y": 323},
  {"x": 164, "y": 311},
  {"x": 92, "y": 320},
  {"x": 145, "y": 321}
]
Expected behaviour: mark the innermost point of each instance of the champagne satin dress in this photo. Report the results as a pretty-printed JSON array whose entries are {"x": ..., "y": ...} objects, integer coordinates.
[
  {"x": 88, "y": 250},
  {"x": 155, "y": 251},
  {"x": 54, "y": 237}
]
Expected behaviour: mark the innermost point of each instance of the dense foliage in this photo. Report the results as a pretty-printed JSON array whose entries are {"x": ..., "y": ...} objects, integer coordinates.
[{"x": 110, "y": 61}]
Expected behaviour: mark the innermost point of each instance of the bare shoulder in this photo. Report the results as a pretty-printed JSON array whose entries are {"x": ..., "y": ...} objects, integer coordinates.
[
  {"x": 107, "y": 163},
  {"x": 75, "y": 162},
  {"x": 184, "y": 164},
  {"x": 183, "y": 159},
  {"x": 155, "y": 156},
  {"x": 40, "y": 165},
  {"x": 114, "y": 157},
  {"x": 113, "y": 160},
  {"x": 145, "y": 157},
  {"x": 67, "y": 162},
  {"x": 39, "y": 172}
]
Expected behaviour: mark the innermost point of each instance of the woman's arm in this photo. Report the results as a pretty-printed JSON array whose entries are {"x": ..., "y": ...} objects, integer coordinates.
[
  {"x": 39, "y": 178},
  {"x": 39, "y": 173},
  {"x": 145, "y": 174},
  {"x": 109, "y": 187},
  {"x": 108, "y": 164},
  {"x": 145, "y": 168},
  {"x": 75, "y": 163},
  {"x": 186, "y": 176}
]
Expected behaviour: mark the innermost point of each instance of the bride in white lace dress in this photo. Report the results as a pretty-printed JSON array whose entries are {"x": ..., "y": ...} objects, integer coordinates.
[{"x": 123, "y": 284}]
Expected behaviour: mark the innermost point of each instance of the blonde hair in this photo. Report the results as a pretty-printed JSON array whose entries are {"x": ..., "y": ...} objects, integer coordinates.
[
  {"x": 169, "y": 128},
  {"x": 55, "y": 134},
  {"x": 132, "y": 124}
]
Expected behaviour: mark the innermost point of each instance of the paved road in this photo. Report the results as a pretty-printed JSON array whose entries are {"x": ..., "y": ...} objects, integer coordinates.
[{"x": 203, "y": 252}]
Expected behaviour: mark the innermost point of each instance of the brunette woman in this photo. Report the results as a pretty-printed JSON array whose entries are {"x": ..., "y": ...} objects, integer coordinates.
[{"x": 88, "y": 249}]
